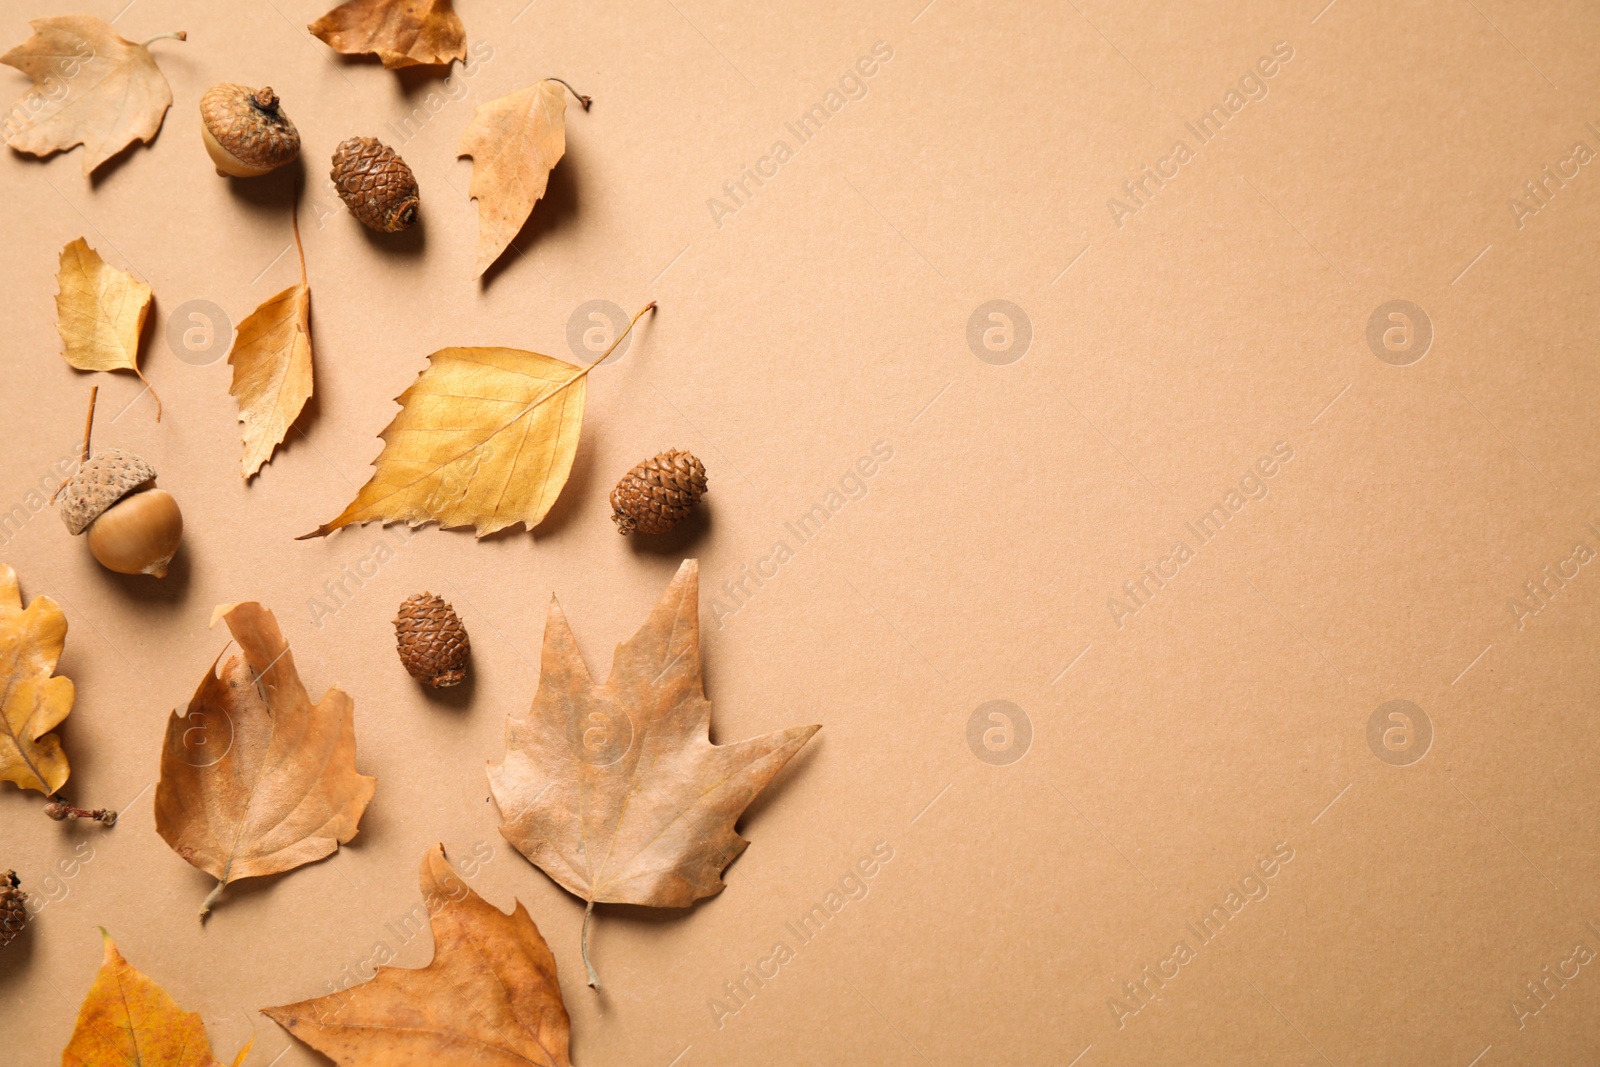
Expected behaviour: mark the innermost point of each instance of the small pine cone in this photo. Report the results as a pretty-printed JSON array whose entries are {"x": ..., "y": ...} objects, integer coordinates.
[
  {"x": 432, "y": 642},
  {"x": 13, "y": 908},
  {"x": 375, "y": 184},
  {"x": 656, "y": 495}
]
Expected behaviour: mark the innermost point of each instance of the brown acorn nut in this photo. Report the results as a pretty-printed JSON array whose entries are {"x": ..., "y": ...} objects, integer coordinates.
[
  {"x": 375, "y": 184},
  {"x": 245, "y": 130},
  {"x": 13, "y": 908},
  {"x": 133, "y": 527},
  {"x": 655, "y": 496},
  {"x": 432, "y": 643}
]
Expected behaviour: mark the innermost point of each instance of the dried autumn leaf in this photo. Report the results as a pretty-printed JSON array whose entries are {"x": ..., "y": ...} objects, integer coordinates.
[
  {"x": 514, "y": 143},
  {"x": 255, "y": 779},
  {"x": 128, "y": 1021},
  {"x": 485, "y": 438},
  {"x": 100, "y": 312},
  {"x": 32, "y": 700},
  {"x": 402, "y": 33},
  {"x": 271, "y": 362},
  {"x": 91, "y": 87},
  {"x": 615, "y": 790},
  {"x": 490, "y": 994}
]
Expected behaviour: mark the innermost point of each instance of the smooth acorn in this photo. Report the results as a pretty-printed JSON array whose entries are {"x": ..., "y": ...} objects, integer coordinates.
[
  {"x": 133, "y": 527},
  {"x": 245, "y": 130}
]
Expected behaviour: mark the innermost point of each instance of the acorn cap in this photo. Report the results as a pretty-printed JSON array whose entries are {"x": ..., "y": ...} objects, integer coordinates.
[
  {"x": 102, "y": 480},
  {"x": 249, "y": 125}
]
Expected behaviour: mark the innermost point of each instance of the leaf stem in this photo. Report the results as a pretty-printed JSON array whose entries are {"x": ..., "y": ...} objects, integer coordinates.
[
  {"x": 211, "y": 898},
  {"x": 594, "y": 979},
  {"x": 180, "y": 35},
  {"x": 298, "y": 247},
  {"x": 88, "y": 431},
  {"x": 584, "y": 100},
  {"x": 151, "y": 389},
  {"x": 61, "y": 810}
]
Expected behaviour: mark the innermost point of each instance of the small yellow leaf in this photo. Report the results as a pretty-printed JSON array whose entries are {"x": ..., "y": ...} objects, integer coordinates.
[
  {"x": 91, "y": 87},
  {"x": 33, "y": 701},
  {"x": 271, "y": 362},
  {"x": 514, "y": 143},
  {"x": 100, "y": 312},
  {"x": 485, "y": 438},
  {"x": 402, "y": 33},
  {"x": 127, "y": 1020}
]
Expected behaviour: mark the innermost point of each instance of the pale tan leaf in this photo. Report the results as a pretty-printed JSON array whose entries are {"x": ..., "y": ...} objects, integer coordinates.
[
  {"x": 402, "y": 33},
  {"x": 91, "y": 87},
  {"x": 489, "y": 997},
  {"x": 271, "y": 360},
  {"x": 255, "y": 779},
  {"x": 100, "y": 313}
]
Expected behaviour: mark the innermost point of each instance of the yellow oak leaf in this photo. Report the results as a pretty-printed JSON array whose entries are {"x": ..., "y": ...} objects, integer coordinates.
[
  {"x": 489, "y": 997},
  {"x": 127, "y": 1020},
  {"x": 616, "y": 791},
  {"x": 514, "y": 143},
  {"x": 255, "y": 779},
  {"x": 100, "y": 312},
  {"x": 91, "y": 87},
  {"x": 33, "y": 701},
  {"x": 485, "y": 438},
  {"x": 271, "y": 360},
  {"x": 402, "y": 33}
]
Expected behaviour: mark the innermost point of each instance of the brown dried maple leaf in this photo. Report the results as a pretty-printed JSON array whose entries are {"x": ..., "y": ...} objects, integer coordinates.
[
  {"x": 91, "y": 87},
  {"x": 402, "y": 33},
  {"x": 255, "y": 779},
  {"x": 615, "y": 790},
  {"x": 490, "y": 994}
]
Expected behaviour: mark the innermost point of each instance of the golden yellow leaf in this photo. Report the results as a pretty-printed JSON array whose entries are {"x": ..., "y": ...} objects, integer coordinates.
[
  {"x": 514, "y": 143},
  {"x": 485, "y": 438},
  {"x": 402, "y": 33},
  {"x": 32, "y": 700},
  {"x": 128, "y": 1021},
  {"x": 91, "y": 87},
  {"x": 271, "y": 360},
  {"x": 255, "y": 779},
  {"x": 616, "y": 791},
  {"x": 100, "y": 312},
  {"x": 489, "y": 997}
]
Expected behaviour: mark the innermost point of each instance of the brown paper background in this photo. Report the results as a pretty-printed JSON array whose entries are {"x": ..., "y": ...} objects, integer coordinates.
[{"x": 828, "y": 313}]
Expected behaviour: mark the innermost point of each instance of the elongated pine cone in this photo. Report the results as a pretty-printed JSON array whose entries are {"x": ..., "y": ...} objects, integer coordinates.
[
  {"x": 432, "y": 642},
  {"x": 657, "y": 494},
  {"x": 13, "y": 908},
  {"x": 375, "y": 184}
]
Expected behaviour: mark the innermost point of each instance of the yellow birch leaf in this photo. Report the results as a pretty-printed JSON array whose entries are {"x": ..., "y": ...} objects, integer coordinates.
[
  {"x": 127, "y": 1020},
  {"x": 271, "y": 362},
  {"x": 485, "y": 438},
  {"x": 100, "y": 312},
  {"x": 33, "y": 701},
  {"x": 514, "y": 143}
]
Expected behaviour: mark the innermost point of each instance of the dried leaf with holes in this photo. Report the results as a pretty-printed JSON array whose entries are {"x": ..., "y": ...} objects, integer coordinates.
[
  {"x": 489, "y": 996},
  {"x": 33, "y": 699},
  {"x": 485, "y": 438},
  {"x": 402, "y": 33},
  {"x": 127, "y": 1019},
  {"x": 514, "y": 143},
  {"x": 100, "y": 313},
  {"x": 255, "y": 779},
  {"x": 271, "y": 362},
  {"x": 90, "y": 87},
  {"x": 615, "y": 790}
]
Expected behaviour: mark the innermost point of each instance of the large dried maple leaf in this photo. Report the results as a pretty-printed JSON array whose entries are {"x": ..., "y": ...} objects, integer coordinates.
[
  {"x": 127, "y": 1020},
  {"x": 32, "y": 700},
  {"x": 100, "y": 313},
  {"x": 489, "y": 997},
  {"x": 255, "y": 779},
  {"x": 271, "y": 360},
  {"x": 615, "y": 790},
  {"x": 485, "y": 438},
  {"x": 402, "y": 33},
  {"x": 514, "y": 143},
  {"x": 91, "y": 87}
]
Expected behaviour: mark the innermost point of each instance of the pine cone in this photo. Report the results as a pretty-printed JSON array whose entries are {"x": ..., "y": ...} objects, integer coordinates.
[
  {"x": 656, "y": 495},
  {"x": 375, "y": 184},
  {"x": 13, "y": 908},
  {"x": 432, "y": 642}
]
